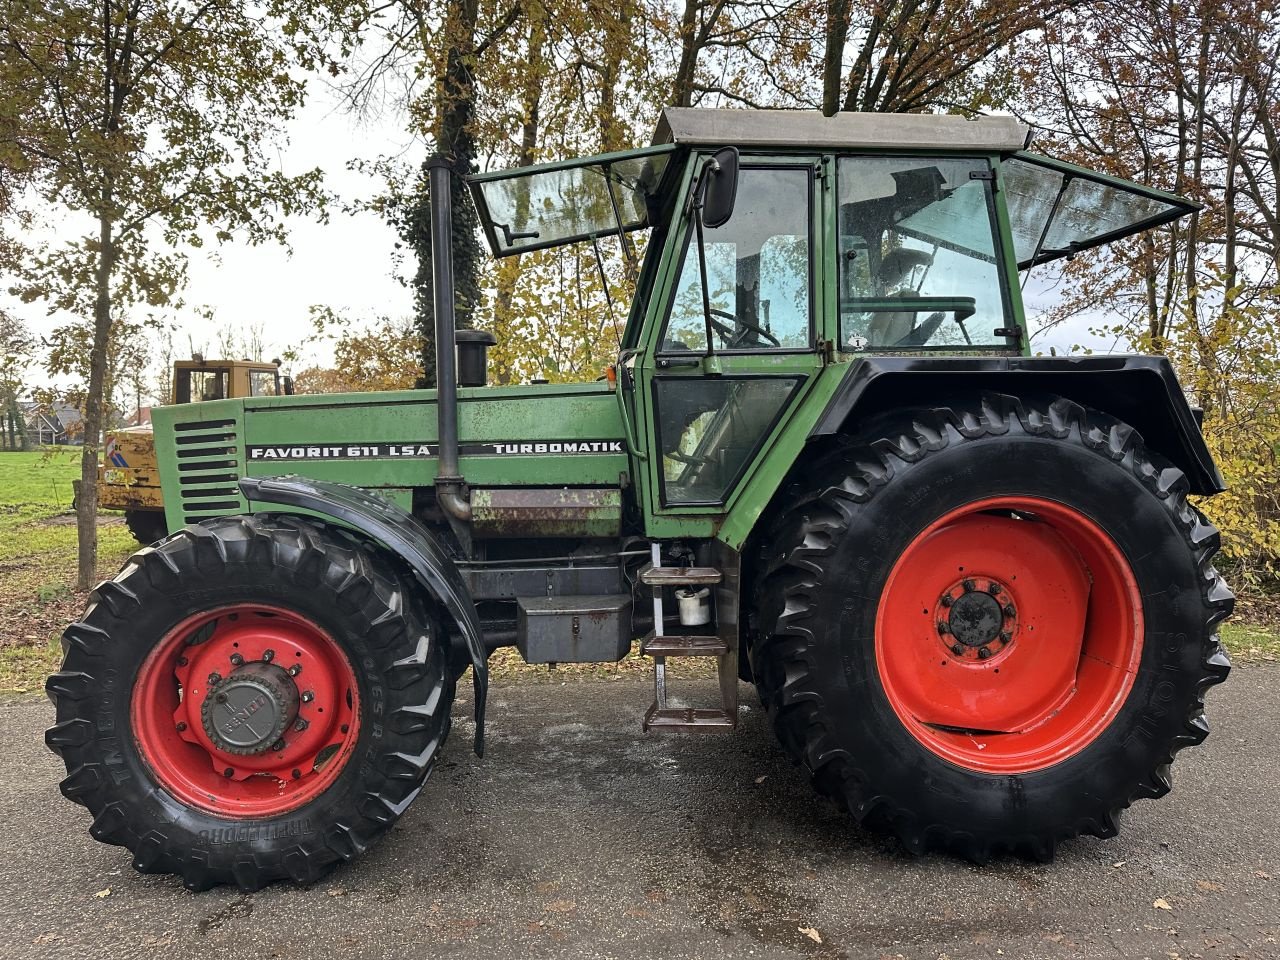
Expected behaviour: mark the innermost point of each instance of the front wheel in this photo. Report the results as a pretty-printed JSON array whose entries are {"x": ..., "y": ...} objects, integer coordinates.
[
  {"x": 988, "y": 627},
  {"x": 255, "y": 698}
]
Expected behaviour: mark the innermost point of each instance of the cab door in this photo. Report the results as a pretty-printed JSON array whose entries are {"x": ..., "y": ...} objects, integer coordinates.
[{"x": 710, "y": 411}]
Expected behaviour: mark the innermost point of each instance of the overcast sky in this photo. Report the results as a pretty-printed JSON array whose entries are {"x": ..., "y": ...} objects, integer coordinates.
[{"x": 348, "y": 263}]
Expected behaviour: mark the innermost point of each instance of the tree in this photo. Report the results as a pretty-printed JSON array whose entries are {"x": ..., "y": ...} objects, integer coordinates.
[
  {"x": 16, "y": 347},
  {"x": 150, "y": 120}
]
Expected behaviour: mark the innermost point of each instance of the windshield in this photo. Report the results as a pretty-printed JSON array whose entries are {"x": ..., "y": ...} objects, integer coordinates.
[
  {"x": 1056, "y": 209},
  {"x": 533, "y": 208}
]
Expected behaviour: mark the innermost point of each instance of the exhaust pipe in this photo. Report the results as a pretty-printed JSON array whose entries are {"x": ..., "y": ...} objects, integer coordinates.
[{"x": 450, "y": 488}]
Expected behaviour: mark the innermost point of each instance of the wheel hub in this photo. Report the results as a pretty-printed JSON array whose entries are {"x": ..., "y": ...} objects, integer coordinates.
[
  {"x": 976, "y": 618},
  {"x": 248, "y": 711}
]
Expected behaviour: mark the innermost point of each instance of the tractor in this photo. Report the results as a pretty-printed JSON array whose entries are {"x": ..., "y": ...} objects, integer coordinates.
[
  {"x": 129, "y": 478},
  {"x": 968, "y": 584}
]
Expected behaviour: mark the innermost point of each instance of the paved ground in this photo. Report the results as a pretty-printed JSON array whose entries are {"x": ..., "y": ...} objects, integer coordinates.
[{"x": 579, "y": 837}]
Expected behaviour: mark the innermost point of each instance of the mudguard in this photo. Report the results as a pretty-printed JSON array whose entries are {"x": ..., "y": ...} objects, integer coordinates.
[
  {"x": 393, "y": 527},
  {"x": 1143, "y": 391}
]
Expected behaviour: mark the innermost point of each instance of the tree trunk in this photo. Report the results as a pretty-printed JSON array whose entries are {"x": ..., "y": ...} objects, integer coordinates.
[
  {"x": 455, "y": 110},
  {"x": 833, "y": 56},
  {"x": 682, "y": 87},
  {"x": 87, "y": 501}
]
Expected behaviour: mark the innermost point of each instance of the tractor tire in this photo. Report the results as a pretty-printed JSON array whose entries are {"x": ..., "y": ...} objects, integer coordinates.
[
  {"x": 147, "y": 526},
  {"x": 255, "y": 698},
  {"x": 988, "y": 627}
]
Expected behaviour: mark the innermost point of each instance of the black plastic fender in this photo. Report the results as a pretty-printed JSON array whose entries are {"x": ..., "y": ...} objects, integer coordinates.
[
  {"x": 397, "y": 530},
  {"x": 1143, "y": 391}
]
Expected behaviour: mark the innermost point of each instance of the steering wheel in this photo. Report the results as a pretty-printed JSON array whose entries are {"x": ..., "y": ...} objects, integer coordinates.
[{"x": 731, "y": 339}]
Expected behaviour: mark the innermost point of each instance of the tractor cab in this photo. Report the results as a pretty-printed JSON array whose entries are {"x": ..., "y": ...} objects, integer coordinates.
[{"x": 882, "y": 236}]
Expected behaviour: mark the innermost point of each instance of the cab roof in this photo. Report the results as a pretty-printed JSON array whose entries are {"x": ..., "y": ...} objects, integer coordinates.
[{"x": 694, "y": 126}]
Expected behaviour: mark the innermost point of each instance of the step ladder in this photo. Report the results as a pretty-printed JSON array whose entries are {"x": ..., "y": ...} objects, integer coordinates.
[{"x": 659, "y": 645}]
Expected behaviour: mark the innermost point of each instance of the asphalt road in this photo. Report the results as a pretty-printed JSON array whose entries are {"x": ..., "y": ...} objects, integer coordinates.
[{"x": 577, "y": 836}]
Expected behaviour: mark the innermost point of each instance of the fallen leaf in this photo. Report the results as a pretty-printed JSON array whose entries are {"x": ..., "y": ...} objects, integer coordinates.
[
  {"x": 762, "y": 778},
  {"x": 103, "y": 893},
  {"x": 811, "y": 933},
  {"x": 1262, "y": 875},
  {"x": 336, "y": 892},
  {"x": 1210, "y": 886},
  {"x": 1119, "y": 863},
  {"x": 1161, "y": 904}
]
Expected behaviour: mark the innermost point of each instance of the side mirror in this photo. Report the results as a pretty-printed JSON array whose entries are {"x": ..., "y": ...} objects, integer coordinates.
[{"x": 720, "y": 187}]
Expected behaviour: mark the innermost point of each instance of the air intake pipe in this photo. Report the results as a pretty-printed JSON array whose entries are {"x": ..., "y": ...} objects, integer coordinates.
[{"x": 450, "y": 488}]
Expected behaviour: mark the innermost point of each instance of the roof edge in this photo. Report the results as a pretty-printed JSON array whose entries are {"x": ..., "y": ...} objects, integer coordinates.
[{"x": 846, "y": 130}]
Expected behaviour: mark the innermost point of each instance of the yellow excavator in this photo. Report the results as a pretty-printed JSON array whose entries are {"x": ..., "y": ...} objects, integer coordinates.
[{"x": 128, "y": 478}]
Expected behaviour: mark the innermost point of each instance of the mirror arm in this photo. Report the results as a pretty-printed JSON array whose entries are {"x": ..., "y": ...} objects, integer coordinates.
[{"x": 702, "y": 270}]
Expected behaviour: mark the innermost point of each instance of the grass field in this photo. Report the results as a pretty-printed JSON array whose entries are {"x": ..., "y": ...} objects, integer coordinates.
[{"x": 38, "y": 563}]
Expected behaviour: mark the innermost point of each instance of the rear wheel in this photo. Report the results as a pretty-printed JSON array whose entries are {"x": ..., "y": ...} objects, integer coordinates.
[
  {"x": 254, "y": 699},
  {"x": 989, "y": 627}
]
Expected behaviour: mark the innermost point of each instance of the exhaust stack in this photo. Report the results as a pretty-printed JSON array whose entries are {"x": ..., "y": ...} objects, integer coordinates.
[{"x": 450, "y": 488}]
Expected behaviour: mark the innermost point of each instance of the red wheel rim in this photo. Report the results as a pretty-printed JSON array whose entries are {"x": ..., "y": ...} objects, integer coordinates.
[
  {"x": 1009, "y": 634},
  {"x": 178, "y": 722}
]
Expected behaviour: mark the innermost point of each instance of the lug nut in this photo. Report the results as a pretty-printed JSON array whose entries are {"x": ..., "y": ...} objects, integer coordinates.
[
  {"x": 957, "y": 648},
  {"x": 993, "y": 588},
  {"x": 969, "y": 586},
  {"x": 295, "y": 669},
  {"x": 307, "y": 696},
  {"x": 237, "y": 660},
  {"x": 947, "y": 600},
  {"x": 278, "y": 746},
  {"x": 983, "y": 653},
  {"x": 1010, "y": 610},
  {"x": 214, "y": 677},
  {"x": 943, "y": 627},
  {"x": 301, "y": 725},
  {"x": 181, "y": 726},
  {"x": 1006, "y": 635},
  {"x": 268, "y": 656}
]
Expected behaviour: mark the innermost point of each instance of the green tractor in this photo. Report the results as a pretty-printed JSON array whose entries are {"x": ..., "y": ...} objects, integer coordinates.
[{"x": 968, "y": 584}]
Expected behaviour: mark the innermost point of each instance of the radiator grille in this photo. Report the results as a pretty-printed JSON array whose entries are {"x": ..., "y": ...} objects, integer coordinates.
[{"x": 208, "y": 453}]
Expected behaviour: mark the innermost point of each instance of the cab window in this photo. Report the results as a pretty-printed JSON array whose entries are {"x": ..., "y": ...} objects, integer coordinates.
[
  {"x": 919, "y": 264},
  {"x": 262, "y": 383},
  {"x": 759, "y": 271},
  {"x": 208, "y": 384}
]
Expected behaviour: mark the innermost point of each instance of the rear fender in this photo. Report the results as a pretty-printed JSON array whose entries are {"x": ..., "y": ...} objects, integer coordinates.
[
  {"x": 1141, "y": 391},
  {"x": 395, "y": 529}
]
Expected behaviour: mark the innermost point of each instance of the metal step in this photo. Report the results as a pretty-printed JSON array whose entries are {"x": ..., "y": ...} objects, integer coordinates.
[
  {"x": 681, "y": 719},
  {"x": 675, "y": 645},
  {"x": 652, "y": 576}
]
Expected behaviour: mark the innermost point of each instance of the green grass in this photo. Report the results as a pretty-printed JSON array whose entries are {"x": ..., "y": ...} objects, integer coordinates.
[
  {"x": 1248, "y": 643},
  {"x": 38, "y": 561}
]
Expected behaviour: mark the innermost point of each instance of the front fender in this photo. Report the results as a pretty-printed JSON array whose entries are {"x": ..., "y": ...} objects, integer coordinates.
[{"x": 397, "y": 530}]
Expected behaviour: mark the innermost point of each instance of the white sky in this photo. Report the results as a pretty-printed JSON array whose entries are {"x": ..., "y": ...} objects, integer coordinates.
[{"x": 348, "y": 263}]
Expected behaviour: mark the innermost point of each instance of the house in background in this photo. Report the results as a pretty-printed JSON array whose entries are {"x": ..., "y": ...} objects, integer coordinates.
[{"x": 53, "y": 424}]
